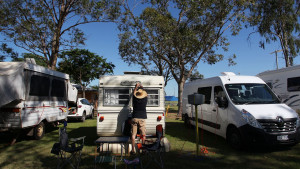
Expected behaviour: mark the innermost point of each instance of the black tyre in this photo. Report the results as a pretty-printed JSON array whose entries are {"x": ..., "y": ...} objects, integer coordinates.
[
  {"x": 39, "y": 131},
  {"x": 92, "y": 114},
  {"x": 187, "y": 122},
  {"x": 83, "y": 117},
  {"x": 234, "y": 139}
]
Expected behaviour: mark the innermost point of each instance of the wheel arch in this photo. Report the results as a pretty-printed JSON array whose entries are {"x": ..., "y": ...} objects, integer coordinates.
[{"x": 229, "y": 127}]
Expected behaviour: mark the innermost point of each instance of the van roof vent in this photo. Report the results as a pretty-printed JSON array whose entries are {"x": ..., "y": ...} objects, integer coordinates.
[
  {"x": 228, "y": 74},
  {"x": 132, "y": 73}
]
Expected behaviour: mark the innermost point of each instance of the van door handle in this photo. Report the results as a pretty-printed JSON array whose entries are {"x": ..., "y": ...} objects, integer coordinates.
[{"x": 214, "y": 110}]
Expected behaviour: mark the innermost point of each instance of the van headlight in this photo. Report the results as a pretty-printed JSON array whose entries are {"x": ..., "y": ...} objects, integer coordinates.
[{"x": 250, "y": 119}]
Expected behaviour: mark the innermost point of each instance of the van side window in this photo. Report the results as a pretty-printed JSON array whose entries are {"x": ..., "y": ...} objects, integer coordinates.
[
  {"x": 116, "y": 97},
  {"x": 153, "y": 97},
  {"x": 58, "y": 88},
  {"x": 293, "y": 84},
  {"x": 206, "y": 91},
  {"x": 218, "y": 92},
  {"x": 39, "y": 85}
]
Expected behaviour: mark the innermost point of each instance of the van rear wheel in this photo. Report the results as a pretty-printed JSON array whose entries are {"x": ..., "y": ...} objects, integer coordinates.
[
  {"x": 234, "y": 139},
  {"x": 187, "y": 122}
]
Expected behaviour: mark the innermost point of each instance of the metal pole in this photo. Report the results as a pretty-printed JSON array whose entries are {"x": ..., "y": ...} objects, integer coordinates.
[{"x": 197, "y": 131}]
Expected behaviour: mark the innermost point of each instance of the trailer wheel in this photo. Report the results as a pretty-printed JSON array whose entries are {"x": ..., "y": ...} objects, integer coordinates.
[
  {"x": 92, "y": 114},
  {"x": 39, "y": 131},
  {"x": 83, "y": 117},
  {"x": 234, "y": 139}
]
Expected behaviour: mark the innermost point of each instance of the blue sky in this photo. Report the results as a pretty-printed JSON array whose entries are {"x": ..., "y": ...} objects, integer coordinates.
[{"x": 102, "y": 38}]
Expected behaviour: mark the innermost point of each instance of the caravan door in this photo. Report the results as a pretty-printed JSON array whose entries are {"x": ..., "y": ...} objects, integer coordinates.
[{"x": 115, "y": 110}]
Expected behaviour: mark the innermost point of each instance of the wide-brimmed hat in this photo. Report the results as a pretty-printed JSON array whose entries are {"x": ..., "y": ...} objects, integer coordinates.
[{"x": 140, "y": 94}]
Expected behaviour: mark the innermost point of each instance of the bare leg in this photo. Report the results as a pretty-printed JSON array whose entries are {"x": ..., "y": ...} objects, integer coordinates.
[
  {"x": 143, "y": 139},
  {"x": 133, "y": 142}
]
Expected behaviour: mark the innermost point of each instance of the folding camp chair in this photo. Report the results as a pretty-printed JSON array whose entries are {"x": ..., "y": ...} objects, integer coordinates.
[
  {"x": 68, "y": 151},
  {"x": 153, "y": 153}
]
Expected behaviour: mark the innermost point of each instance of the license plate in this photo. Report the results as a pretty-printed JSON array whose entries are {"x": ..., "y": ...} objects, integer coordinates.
[{"x": 282, "y": 137}]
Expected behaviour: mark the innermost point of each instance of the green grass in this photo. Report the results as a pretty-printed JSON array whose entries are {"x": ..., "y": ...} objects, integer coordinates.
[{"x": 28, "y": 153}]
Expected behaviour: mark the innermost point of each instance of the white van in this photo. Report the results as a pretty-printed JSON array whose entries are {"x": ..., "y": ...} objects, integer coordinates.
[
  {"x": 285, "y": 83},
  {"x": 115, "y": 103},
  {"x": 242, "y": 109},
  {"x": 31, "y": 96}
]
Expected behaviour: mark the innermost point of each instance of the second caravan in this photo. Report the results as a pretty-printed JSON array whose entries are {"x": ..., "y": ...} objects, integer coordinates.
[
  {"x": 115, "y": 103},
  {"x": 285, "y": 83},
  {"x": 32, "y": 96},
  {"x": 242, "y": 109}
]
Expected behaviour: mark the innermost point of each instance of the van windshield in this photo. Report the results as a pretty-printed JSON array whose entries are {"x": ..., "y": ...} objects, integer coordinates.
[{"x": 251, "y": 94}]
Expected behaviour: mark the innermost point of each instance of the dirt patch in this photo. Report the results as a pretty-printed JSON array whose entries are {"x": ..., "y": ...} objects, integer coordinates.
[{"x": 173, "y": 116}]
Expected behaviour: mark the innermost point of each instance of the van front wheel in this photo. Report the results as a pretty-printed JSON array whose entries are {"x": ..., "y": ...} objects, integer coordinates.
[{"x": 234, "y": 139}]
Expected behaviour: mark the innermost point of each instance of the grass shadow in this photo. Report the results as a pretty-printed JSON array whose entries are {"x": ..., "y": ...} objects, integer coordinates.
[{"x": 89, "y": 132}]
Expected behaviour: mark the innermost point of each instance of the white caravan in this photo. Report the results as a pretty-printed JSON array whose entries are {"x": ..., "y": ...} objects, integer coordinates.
[
  {"x": 115, "y": 103},
  {"x": 285, "y": 83},
  {"x": 242, "y": 109},
  {"x": 31, "y": 96}
]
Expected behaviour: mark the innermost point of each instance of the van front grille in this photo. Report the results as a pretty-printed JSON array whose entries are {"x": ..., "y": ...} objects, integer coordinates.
[{"x": 275, "y": 126}]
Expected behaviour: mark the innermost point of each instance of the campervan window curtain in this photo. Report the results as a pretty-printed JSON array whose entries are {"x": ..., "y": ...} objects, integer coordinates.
[
  {"x": 153, "y": 97},
  {"x": 116, "y": 97}
]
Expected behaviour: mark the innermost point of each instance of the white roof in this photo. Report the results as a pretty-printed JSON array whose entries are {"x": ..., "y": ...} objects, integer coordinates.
[
  {"x": 9, "y": 68},
  {"x": 228, "y": 79},
  {"x": 286, "y": 69},
  {"x": 131, "y": 80}
]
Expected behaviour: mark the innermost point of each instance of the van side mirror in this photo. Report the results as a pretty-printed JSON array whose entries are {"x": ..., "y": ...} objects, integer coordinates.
[{"x": 222, "y": 102}]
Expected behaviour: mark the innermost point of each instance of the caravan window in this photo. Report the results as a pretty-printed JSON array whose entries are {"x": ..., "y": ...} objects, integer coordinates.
[
  {"x": 293, "y": 84},
  {"x": 206, "y": 91},
  {"x": 39, "y": 85},
  {"x": 58, "y": 88},
  {"x": 116, "y": 97},
  {"x": 153, "y": 97}
]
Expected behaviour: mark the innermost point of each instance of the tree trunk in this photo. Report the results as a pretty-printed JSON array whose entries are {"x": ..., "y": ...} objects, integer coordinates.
[
  {"x": 53, "y": 60},
  {"x": 83, "y": 91},
  {"x": 54, "y": 50},
  {"x": 285, "y": 47},
  {"x": 180, "y": 97}
]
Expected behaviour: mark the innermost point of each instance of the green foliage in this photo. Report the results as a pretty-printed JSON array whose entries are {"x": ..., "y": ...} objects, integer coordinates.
[
  {"x": 95, "y": 87},
  {"x": 84, "y": 66},
  {"x": 181, "y": 33},
  {"x": 196, "y": 75},
  {"x": 38, "y": 59},
  {"x": 278, "y": 20},
  {"x": 44, "y": 27},
  {"x": 7, "y": 52}
]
